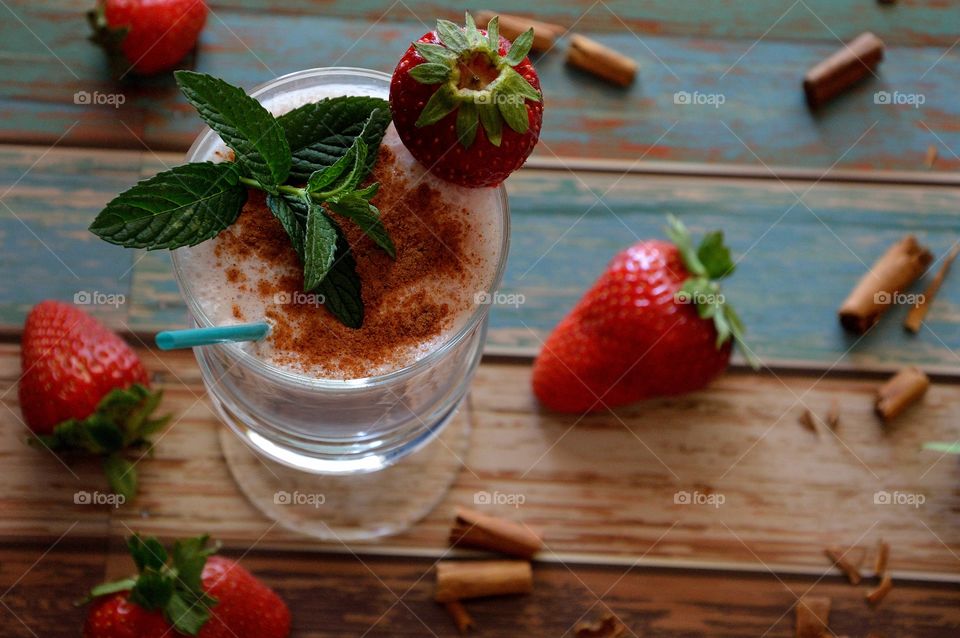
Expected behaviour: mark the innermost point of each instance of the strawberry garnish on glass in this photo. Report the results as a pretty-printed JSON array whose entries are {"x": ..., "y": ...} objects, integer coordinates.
[{"x": 467, "y": 103}]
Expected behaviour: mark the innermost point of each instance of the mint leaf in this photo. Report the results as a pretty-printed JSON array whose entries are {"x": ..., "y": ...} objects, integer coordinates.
[
  {"x": 341, "y": 287},
  {"x": 121, "y": 475},
  {"x": 243, "y": 124},
  {"x": 354, "y": 207},
  {"x": 180, "y": 207},
  {"x": 345, "y": 174},
  {"x": 320, "y": 246},
  {"x": 715, "y": 256},
  {"x": 320, "y": 133},
  {"x": 283, "y": 209}
]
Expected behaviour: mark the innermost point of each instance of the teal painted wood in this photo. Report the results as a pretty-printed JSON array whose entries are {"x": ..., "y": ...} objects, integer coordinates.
[
  {"x": 796, "y": 267},
  {"x": 762, "y": 120}
]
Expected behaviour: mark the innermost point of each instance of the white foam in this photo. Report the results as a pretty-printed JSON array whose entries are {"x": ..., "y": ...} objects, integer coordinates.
[{"x": 218, "y": 296}]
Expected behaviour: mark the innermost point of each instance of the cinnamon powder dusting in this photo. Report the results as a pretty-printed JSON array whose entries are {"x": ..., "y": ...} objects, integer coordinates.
[{"x": 403, "y": 307}]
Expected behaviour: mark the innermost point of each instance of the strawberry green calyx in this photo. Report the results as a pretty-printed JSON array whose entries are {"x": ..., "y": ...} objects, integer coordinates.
[
  {"x": 475, "y": 80},
  {"x": 171, "y": 584},
  {"x": 123, "y": 420},
  {"x": 110, "y": 39},
  {"x": 707, "y": 263}
]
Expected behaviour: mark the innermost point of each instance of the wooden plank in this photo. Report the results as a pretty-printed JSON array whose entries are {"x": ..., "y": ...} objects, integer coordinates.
[
  {"x": 556, "y": 214},
  {"x": 763, "y": 118},
  {"x": 340, "y": 595},
  {"x": 605, "y": 489}
]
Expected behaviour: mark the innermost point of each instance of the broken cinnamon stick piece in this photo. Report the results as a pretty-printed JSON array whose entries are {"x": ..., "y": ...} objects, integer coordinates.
[
  {"x": 608, "y": 626},
  {"x": 808, "y": 421},
  {"x": 883, "y": 556},
  {"x": 473, "y": 529},
  {"x": 833, "y": 414},
  {"x": 461, "y": 618},
  {"x": 844, "y": 68},
  {"x": 877, "y": 594},
  {"x": 593, "y": 57},
  {"x": 919, "y": 311},
  {"x": 511, "y": 26},
  {"x": 813, "y": 616},
  {"x": 878, "y": 289},
  {"x": 459, "y": 580},
  {"x": 839, "y": 559},
  {"x": 902, "y": 390}
]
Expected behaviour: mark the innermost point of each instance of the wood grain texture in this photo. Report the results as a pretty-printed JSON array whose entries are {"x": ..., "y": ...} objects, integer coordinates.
[
  {"x": 763, "y": 118},
  {"x": 341, "y": 595},
  {"x": 798, "y": 263},
  {"x": 605, "y": 489}
]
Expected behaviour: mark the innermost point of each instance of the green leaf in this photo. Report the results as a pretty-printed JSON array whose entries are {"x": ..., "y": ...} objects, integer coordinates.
[
  {"x": 105, "y": 436},
  {"x": 189, "y": 557},
  {"x": 121, "y": 475},
  {"x": 435, "y": 53},
  {"x": 320, "y": 133},
  {"x": 452, "y": 36},
  {"x": 514, "y": 85},
  {"x": 430, "y": 73},
  {"x": 493, "y": 33},
  {"x": 354, "y": 170},
  {"x": 320, "y": 247},
  {"x": 354, "y": 207},
  {"x": 715, "y": 256},
  {"x": 440, "y": 104},
  {"x": 146, "y": 552},
  {"x": 105, "y": 589},
  {"x": 520, "y": 48},
  {"x": 492, "y": 123},
  {"x": 341, "y": 287},
  {"x": 180, "y": 207},
  {"x": 514, "y": 112},
  {"x": 474, "y": 37},
  {"x": 186, "y": 615},
  {"x": 153, "y": 589},
  {"x": 946, "y": 448},
  {"x": 282, "y": 209},
  {"x": 467, "y": 124},
  {"x": 243, "y": 124},
  {"x": 680, "y": 236}
]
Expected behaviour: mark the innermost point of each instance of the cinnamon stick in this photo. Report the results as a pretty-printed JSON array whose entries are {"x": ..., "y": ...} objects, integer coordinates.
[
  {"x": 808, "y": 421},
  {"x": 919, "y": 311},
  {"x": 876, "y": 291},
  {"x": 883, "y": 556},
  {"x": 459, "y": 580},
  {"x": 608, "y": 626},
  {"x": 901, "y": 391},
  {"x": 839, "y": 559},
  {"x": 813, "y": 614},
  {"x": 593, "y": 57},
  {"x": 462, "y": 620},
  {"x": 877, "y": 594},
  {"x": 545, "y": 34},
  {"x": 473, "y": 529},
  {"x": 844, "y": 68}
]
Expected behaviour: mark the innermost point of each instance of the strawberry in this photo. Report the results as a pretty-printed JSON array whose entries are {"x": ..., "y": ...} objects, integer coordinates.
[
  {"x": 190, "y": 593},
  {"x": 654, "y": 324},
  {"x": 467, "y": 103},
  {"x": 147, "y": 36},
  {"x": 84, "y": 389}
]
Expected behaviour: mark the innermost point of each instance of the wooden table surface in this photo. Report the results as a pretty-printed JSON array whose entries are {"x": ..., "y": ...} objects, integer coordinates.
[{"x": 808, "y": 200}]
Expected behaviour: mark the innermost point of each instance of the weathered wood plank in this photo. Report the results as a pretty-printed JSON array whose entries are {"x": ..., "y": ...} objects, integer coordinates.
[
  {"x": 603, "y": 489},
  {"x": 762, "y": 120},
  {"x": 338, "y": 595},
  {"x": 556, "y": 215}
]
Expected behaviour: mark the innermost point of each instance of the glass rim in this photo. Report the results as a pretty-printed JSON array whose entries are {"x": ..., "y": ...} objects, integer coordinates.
[{"x": 269, "y": 370}]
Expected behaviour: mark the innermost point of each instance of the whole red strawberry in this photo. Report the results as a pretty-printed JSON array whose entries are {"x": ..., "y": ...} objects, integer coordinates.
[
  {"x": 147, "y": 36},
  {"x": 83, "y": 388},
  {"x": 467, "y": 103},
  {"x": 654, "y": 324},
  {"x": 196, "y": 594}
]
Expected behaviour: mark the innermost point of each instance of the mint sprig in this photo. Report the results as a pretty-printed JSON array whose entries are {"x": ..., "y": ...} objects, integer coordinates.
[
  {"x": 707, "y": 263},
  {"x": 310, "y": 162}
]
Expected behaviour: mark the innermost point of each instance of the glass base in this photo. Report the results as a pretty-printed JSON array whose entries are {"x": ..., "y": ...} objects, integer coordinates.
[{"x": 357, "y": 506}]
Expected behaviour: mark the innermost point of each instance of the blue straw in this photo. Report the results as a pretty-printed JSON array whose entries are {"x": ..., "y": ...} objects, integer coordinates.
[{"x": 173, "y": 339}]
